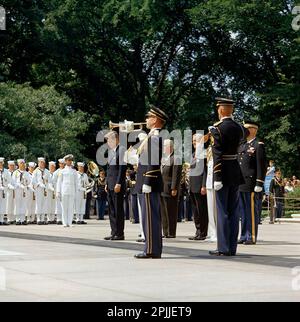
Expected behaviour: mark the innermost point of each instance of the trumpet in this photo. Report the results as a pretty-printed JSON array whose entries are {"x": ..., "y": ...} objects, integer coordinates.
[{"x": 127, "y": 126}]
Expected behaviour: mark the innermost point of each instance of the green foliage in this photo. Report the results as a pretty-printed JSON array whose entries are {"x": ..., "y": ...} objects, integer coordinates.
[{"x": 38, "y": 123}]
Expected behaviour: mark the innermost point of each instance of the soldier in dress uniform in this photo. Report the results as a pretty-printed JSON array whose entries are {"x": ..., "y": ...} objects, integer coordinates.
[
  {"x": 58, "y": 208},
  {"x": 21, "y": 182},
  {"x": 67, "y": 187},
  {"x": 171, "y": 173},
  {"x": 227, "y": 135},
  {"x": 150, "y": 152},
  {"x": 41, "y": 178},
  {"x": 83, "y": 183},
  {"x": 253, "y": 163},
  {"x": 31, "y": 200},
  {"x": 5, "y": 180},
  {"x": 10, "y": 205},
  {"x": 51, "y": 194}
]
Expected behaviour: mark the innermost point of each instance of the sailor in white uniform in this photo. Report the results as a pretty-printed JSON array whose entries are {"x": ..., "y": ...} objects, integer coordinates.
[
  {"x": 67, "y": 187},
  {"x": 58, "y": 208},
  {"x": 21, "y": 182},
  {"x": 51, "y": 194},
  {"x": 10, "y": 198},
  {"x": 5, "y": 180},
  {"x": 31, "y": 200},
  {"x": 41, "y": 179},
  {"x": 83, "y": 183}
]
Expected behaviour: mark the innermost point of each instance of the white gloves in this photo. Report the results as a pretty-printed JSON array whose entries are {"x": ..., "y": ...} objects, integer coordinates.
[
  {"x": 11, "y": 187},
  {"x": 1, "y": 188},
  {"x": 218, "y": 185},
  {"x": 42, "y": 186},
  {"x": 22, "y": 186},
  {"x": 258, "y": 189},
  {"x": 147, "y": 189},
  {"x": 82, "y": 189},
  {"x": 58, "y": 195}
]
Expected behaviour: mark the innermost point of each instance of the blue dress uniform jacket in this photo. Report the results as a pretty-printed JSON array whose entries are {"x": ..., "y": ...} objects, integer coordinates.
[{"x": 226, "y": 138}]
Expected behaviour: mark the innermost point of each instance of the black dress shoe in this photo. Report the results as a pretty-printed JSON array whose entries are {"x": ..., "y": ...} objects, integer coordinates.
[
  {"x": 249, "y": 242},
  {"x": 59, "y": 223},
  {"x": 140, "y": 240},
  {"x": 217, "y": 253},
  {"x": 108, "y": 238},
  {"x": 118, "y": 238},
  {"x": 145, "y": 256},
  {"x": 18, "y": 224},
  {"x": 197, "y": 238},
  {"x": 171, "y": 236},
  {"x": 241, "y": 242},
  {"x": 83, "y": 223},
  {"x": 24, "y": 223}
]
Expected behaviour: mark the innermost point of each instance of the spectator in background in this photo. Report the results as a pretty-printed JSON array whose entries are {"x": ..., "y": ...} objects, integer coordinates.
[
  {"x": 101, "y": 195},
  {"x": 277, "y": 191},
  {"x": 288, "y": 187},
  {"x": 271, "y": 169}
]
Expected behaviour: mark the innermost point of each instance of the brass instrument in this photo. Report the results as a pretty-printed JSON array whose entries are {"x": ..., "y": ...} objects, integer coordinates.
[
  {"x": 127, "y": 126},
  {"x": 93, "y": 173}
]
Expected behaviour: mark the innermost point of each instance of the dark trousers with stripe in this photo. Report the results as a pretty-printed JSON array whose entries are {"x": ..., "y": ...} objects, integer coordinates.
[
  {"x": 249, "y": 209},
  {"x": 200, "y": 212},
  {"x": 227, "y": 201},
  {"x": 116, "y": 213},
  {"x": 169, "y": 213},
  {"x": 135, "y": 209},
  {"x": 152, "y": 224}
]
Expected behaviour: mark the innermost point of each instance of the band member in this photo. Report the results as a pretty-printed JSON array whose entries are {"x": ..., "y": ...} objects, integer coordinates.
[
  {"x": 83, "y": 183},
  {"x": 41, "y": 178},
  {"x": 67, "y": 187},
  {"x": 101, "y": 195},
  {"x": 277, "y": 192},
  {"x": 150, "y": 152},
  {"x": 116, "y": 172},
  {"x": 31, "y": 199},
  {"x": 51, "y": 194},
  {"x": 58, "y": 207},
  {"x": 252, "y": 159},
  {"x": 10, "y": 205},
  {"x": 198, "y": 174},
  {"x": 21, "y": 181},
  {"x": 5, "y": 180},
  {"x": 171, "y": 174},
  {"x": 227, "y": 135}
]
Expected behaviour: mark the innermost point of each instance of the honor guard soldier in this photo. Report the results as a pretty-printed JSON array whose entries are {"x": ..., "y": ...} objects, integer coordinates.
[
  {"x": 83, "y": 183},
  {"x": 67, "y": 187},
  {"x": 5, "y": 180},
  {"x": 150, "y": 153},
  {"x": 21, "y": 182},
  {"x": 10, "y": 205},
  {"x": 51, "y": 194},
  {"x": 253, "y": 163},
  {"x": 31, "y": 200},
  {"x": 116, "y": 185},
  {"x": 41, "y": 179},
  {"x": 58, "y": 208},
  {"x": 227, "y": 135}
]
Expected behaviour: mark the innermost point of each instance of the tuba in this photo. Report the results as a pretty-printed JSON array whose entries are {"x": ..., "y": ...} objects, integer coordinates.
[{"x": 93, "y": 173}]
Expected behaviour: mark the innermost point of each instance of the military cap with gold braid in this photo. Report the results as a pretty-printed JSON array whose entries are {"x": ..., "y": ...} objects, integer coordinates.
[
  {"x": 157, "y": 112},
  {"x": 251, "y": 124},
  {"x": 224, "y": 102}
]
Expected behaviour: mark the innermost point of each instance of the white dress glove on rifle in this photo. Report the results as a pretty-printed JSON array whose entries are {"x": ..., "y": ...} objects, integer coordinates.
[
  {"x": 258, "y": 189},
  {"x": 218, "y": 185},
  {"x": 1, "y": 188},
  {"x": 11, "y": 187},
  {"x": 42, "y": 186},
  {"x": 147, "y": 189}
]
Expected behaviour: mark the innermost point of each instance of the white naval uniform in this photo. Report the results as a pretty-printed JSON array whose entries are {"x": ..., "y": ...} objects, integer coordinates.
[
  {"x": 51, "y": 199},
  {"x": 21, "y": 181},
  {"x": 40, "y": 182},
  {"x": 5, "y": 180},
  {"x": 83, "y": 182},
  {"x": 211, "y": 199},
  {"x": 67, "y": 187},
  {"x": 10, "y": 200},
  {"x": 58, "y": 207},
  {"x": 31, "y": 201}
]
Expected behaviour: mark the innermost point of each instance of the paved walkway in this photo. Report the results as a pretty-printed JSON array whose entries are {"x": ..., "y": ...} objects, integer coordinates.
[{"x": 51, "y": 263}]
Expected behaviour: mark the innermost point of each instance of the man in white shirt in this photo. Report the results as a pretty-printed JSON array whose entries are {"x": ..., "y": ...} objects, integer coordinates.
[
  {"x": 5, "y": 180},
  {"x": 58, "y": 207},
  {"x": 31, "y": 200},
  {"x": 83, "y": 182},
  {"x": 67, "y": 187},
  {"x": 51, "y": 197},
  {"x": 10, "y": 198}
]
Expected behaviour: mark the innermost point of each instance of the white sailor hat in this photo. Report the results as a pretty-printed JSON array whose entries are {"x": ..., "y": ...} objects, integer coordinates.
[
  {"x": 69, "y": 157},
  {"x": 61, "y": 161},
  {"x": 21, "y": 161},
  {"x": 52, "y": 163},
  {"x": 11, "y": 162},
  {"x": 31, "y": 164},
  {"x": 41, "y": 159},
  {"x": 80, "y": 164},
  {"x": 2, "y": 160}
]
